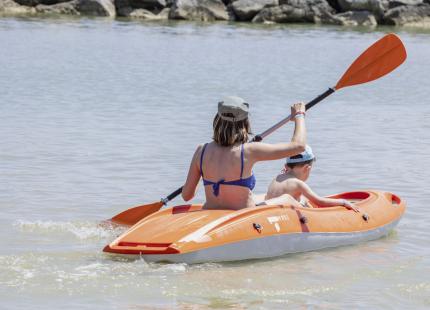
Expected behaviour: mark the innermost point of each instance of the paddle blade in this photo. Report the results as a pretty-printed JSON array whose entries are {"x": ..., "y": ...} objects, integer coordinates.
[
  {"x": 379, "y": 59},
  {"x": 131, "y": 216}
]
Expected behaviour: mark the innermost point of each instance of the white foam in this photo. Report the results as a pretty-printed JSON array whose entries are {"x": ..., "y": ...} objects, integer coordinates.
[{"x": 81, "y": 230}]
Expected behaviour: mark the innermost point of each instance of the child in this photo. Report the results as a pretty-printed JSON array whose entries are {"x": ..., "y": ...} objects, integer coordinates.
[{"x": 292, "y": 182}]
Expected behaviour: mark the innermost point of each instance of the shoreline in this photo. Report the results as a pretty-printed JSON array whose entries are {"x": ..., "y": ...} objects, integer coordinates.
[{"x": 348, "y": 13}]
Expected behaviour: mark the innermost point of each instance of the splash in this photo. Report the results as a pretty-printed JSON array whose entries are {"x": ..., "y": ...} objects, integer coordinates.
[{"x": 82, "y": 230}]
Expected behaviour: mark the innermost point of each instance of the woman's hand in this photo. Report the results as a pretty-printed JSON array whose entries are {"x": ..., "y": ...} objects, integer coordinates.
[{"x": 298, "y": 108}]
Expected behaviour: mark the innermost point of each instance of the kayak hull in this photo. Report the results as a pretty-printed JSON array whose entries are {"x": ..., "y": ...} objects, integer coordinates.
[
  {"x": 272, "y": 246},
  {"x": 192, "y": 235}
]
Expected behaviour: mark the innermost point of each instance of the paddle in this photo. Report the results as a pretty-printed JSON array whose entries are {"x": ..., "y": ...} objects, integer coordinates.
[
  {"x": 133, "y": 215},
  {"x": 379, "y": 59}
]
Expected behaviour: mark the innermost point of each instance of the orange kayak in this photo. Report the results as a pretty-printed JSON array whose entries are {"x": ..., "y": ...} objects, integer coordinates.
[{"x": 190, "y": 234}]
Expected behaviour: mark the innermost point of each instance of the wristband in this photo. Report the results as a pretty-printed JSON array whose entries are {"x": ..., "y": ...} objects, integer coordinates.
[{"x": 300, "y": 114}]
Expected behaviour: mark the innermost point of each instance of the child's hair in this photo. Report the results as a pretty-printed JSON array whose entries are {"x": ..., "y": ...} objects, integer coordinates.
[{"x": 299, "y": 164}]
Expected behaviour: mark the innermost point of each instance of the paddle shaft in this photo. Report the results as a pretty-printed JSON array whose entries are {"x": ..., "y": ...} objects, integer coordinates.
[
  {"x": 281, "y": 123},
  {"x": 172, "y": 196},
  {"x": 261, "y": 136}
]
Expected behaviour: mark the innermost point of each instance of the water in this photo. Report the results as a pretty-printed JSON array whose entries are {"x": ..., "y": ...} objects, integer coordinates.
[{"x": 97, "y": 116}]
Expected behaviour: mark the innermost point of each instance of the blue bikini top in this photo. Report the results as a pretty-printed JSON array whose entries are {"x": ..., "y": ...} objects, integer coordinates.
[{"x": 249, "y": 182}]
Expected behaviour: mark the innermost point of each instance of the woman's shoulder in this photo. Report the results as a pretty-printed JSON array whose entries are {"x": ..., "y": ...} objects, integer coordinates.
[{"x": 201, "y": 146}]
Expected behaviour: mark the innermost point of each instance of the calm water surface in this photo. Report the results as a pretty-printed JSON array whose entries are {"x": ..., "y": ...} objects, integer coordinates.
[{"x": 97, "y": 116}]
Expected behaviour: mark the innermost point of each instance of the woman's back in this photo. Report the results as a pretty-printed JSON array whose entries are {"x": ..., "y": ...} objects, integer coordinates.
[{"x": 229, "y": 176}]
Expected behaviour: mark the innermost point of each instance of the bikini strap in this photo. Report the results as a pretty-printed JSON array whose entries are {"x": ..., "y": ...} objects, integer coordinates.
[
  {"x": 241, "y": 162},
  {"x": 201, "y": 159}
]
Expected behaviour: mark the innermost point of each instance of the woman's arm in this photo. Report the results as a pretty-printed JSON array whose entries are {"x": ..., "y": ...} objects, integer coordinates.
[
  {"x": 264, "y": 151},
  {"x": 323, "y": 201},
  {"x": 190, "y": 187}
]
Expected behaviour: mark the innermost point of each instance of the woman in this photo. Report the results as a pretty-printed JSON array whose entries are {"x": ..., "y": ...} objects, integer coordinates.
[{"x": 225, "y": 164}]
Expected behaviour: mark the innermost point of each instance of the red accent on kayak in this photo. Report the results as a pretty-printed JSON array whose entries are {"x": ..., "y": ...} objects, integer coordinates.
[
  {"x": 167, "y": 250},
  {"x": 151, "y": 245},
  {"x": 181, "y": 209},
  {"x": 395, "y": 200},
  {"x": 355, "y": 195}
]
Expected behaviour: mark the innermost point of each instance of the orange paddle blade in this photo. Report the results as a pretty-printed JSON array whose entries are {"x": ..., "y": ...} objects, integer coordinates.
[
  {"x": 131, "y": 216},
  {"x": 379, "y": 59}
]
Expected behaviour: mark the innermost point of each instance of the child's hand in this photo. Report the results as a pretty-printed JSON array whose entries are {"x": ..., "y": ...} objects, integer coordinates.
[{"x": 349, "y": 205}]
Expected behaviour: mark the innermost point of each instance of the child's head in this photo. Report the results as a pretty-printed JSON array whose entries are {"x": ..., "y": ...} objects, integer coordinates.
[{"x": 301, "y": 164}]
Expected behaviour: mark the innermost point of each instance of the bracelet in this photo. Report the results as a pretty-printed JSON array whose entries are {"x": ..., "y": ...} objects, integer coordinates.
[{"x": 300, "y": 114}]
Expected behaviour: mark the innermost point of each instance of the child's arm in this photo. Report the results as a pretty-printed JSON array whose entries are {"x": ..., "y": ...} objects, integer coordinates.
[{"x": 322, "y": 201}]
